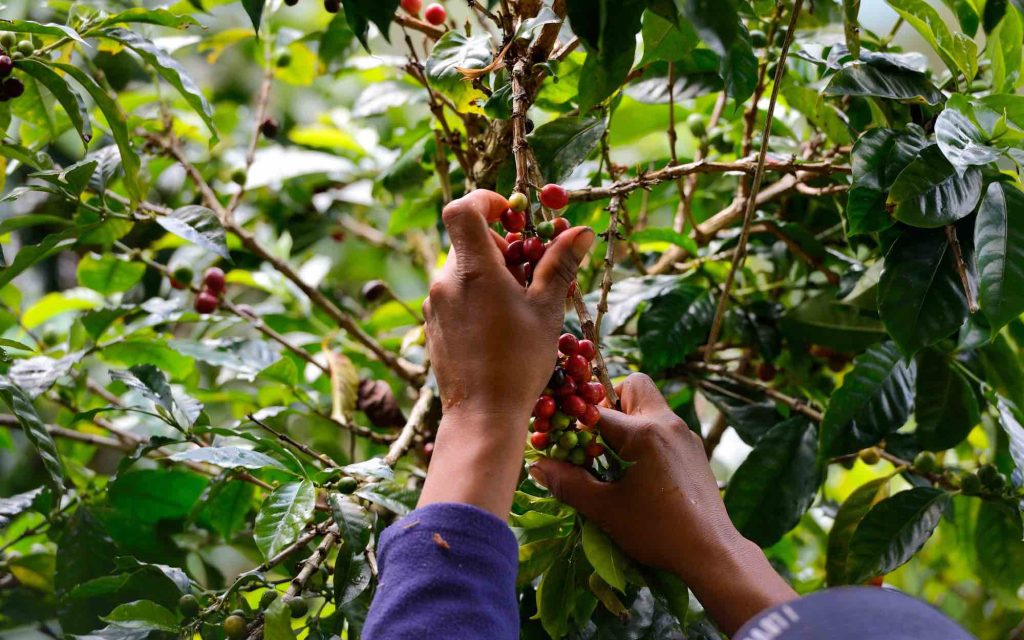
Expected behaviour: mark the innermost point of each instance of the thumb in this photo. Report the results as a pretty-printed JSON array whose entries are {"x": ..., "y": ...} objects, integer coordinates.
[
  {"x": 557, "y": 269},
  {"x": 573, "y": 486},
  {"x": 466, "y": 220}
]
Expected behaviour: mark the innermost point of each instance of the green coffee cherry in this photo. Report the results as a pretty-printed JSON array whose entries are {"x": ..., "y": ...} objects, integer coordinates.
[
  {"x": 268, "y": 598},
  {"x": 869, "y": 455},
  {"x": 558, "y": 452},
  {"x": 188, "y": 605},
  {"x": 284, "y": 59},
  {"x": 695, "y": 122},
  {"x": 184, "y": 275},
  {"x": 578, "y": 456},
  {"x": 8, "y": 40},
  {"x": 347, "y": 485},
  {"x": 298, "y": 607},
  {"x": 925, "y": 462},
  {"x": 234, "y": 627},
  {"x": 559, "y": 421},
  {"x": 988, "y": 474},
  {"x": 758, "y": 39},
  {"x": 546, "y": 230},
  {"x": 970, "y": 485},
  {"x": 26, "y": 48},
  {"x": 569, "y": 440},
  {"x": 238, "y": 176}
]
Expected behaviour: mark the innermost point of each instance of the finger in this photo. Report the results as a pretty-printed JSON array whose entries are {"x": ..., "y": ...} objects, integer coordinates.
[
  {"x": 638, "y": 395},
  {"x": 499, "y": 241},
  {"x": 616, "y": 427},
  {"x": 557, "y": 269},
  {"x": 466, "y": 220},
  {"x": 572, "y": 485}
]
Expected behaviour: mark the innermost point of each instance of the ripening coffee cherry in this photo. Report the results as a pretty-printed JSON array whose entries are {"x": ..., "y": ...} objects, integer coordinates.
[
  {"x": 541, "y": 425},
  {"x": 332, "y": 6},
  {"x": 188, "y": 605},
  {"x": 578, "y": 456},
  {"x": 592, "y": 392},
  {"x": 512, "y": 237},
  {"x": 546, "y": 230},
  {"x": 545, "y": 407},
  {"x": 347, "y": 485},
  {"x": 6, "y": 66},
  {"x": 298, "y": 607},
  {"x": 695, "y": 122},
  {"x": 239, "y": 176},
  {"x": 435, "y": 14},
  {"x": 533, "y": 249},
  {"x": 559, "y": 421},
  {"x": 869, "y": 455},
  {"x": 540, "y": 440},
  {"x": 766, "y": 372},
  {"x": 595, "y": 449},
  {"x": 577, "y": 366},
  {"x": 13, "y": 88},
  {"x": 518, "y": 201},
  {"x": 554, "y": 196},
  {"x": 560, "y": 225},
  {"x": 213, "y": 280},
  {"x": 568, "y": 344},
  {"x": 268, "y": 598},
  {"x": 234, "y": 627},
  {"x": 412, "y": 6},
  {"x": 269, "y": 128},
  {"x": 374, "y": 290},
  {"x": 574, "y": 405},
  {"x": 925, "y": 462},
  {"x": 588, "y": 350},
  {"x": 514, "y": 254},
  {"x": 513, "y": 221},
  {"x": 591, "y": 416},
  {"x": 206, "y": 302}
]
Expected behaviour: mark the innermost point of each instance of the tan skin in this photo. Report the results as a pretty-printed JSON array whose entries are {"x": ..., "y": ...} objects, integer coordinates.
[{"x": 492, "y": 346}]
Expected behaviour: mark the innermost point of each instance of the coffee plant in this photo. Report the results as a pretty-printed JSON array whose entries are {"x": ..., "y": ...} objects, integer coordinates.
[{"x": 219, "y": 221}]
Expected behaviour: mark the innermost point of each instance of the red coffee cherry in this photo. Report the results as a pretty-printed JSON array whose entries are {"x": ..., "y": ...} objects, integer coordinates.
[
  {"x": 214, "y": 280},
  {"x": 559, "y": 225},
  {"x": 533, "y": 249},
  {"x": 518, "y": 272},
  {"x": 592, "y": 392},
  {"x": 587, "y": 349},
  {"x": 412, "y": 6},
  {"x": 513, "y": 221},
  {"x": 577, "y": 366},
  {"x": 514, "y": 254},
  {"x": 595, "y": 450},
  {"x": 567, "y": 388},
  {"x": 554, "y": 196},
  {"x": 568, "y": 344},
  {"x": 435, "y": 14},
  {"x": 591, "y": 416},
  {"x": 6, "y": 65},
  {"x": 574, "y": 405},
  {"x": 541, "y": 425},
  {"x": 206, "y": 302},
  {"x": 540, "y": 440},
  {"x": 545, "y": 407},
  {"x": 766, "y": 372},
  {"x": 512, "y": 237}
]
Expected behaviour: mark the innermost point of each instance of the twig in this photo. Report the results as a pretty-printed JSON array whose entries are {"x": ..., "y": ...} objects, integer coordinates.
[
  {"x": 609, "y": 261},
  {"x": 521, "y": 148},
  {"x": 590, "y": 332},
  {"x": 418, "y": 25},
  {"x": 770, "y": 227},
  {"x": 961, "y": 267},
  {"x": 262, "y": 100},
  {"x": 283, "y": 437},
  {"x": 417, "y": 418},
  {"x": 795, "y": 404},
  {"x": 741, "y": 247}
]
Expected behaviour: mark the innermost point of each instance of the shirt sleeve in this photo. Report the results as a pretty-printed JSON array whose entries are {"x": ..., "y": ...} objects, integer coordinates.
[
  {"x": 852, "y": 613},
  {"x": 446, "y": 571}
]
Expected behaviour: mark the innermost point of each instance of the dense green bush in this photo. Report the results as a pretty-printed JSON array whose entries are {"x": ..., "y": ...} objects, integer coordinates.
[{"x": 844, "y": 294}]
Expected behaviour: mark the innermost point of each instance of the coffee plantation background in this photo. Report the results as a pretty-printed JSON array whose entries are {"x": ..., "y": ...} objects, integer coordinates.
[{"x": 835, "y": 306}]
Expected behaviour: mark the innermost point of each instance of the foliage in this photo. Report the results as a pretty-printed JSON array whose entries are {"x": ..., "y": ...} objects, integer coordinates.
[{"x": 869, "y": 301}]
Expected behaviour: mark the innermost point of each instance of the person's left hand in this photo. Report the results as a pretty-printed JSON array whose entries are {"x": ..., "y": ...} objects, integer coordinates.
[{"x": 493, "y": 346}]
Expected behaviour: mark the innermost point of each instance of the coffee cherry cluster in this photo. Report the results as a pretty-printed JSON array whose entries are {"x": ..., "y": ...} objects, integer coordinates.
[
  {"x": 208, "y": 299},
  {"x": 565, "y": 417},
  {"x": 524, "y": 250},
  {"x": 10, "y": 51}
]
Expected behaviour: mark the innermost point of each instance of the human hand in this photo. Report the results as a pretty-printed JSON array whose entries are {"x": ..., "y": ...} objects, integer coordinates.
[
  {"x": 492, "y": 345},
  {"x": 667, "y": 511}
]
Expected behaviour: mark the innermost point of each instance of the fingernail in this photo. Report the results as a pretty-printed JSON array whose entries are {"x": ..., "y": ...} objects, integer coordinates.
[
  {"x": 582, "y": 242},
  {"x": 538, "y": 476}
]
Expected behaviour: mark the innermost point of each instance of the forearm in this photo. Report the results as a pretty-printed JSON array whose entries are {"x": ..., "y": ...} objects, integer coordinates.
[{"x": 477, "y": 460}]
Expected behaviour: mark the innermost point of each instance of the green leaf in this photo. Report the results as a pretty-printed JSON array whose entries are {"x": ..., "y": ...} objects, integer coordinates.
[
  {"x": 848, "y": 517},
  {"x": 391, "y": 496},
  {"x": 69, "y": 99},
  {"x": 556, "y": 593},
  {"x": 607, "y": 559},
  {"x": 946, "y": 408},
  {"x": 920, "y": 298},
  {"x": 142, "y": 15},
  {"x": 151, "y": 495},
  {"x": 353, "y": 581},
  {"x": 831, "y": 323},
  {"x": 880, "y": 155},
  {"x": 408, "y": 171},
  {"x": 876, "y": 398},
  {"x": 719, "y": 25},
  {"x": 227, "y": 506},
  {"x": 883, "y": 80},
  {"x": 228, "y": 457},
  {"x": 999, "y": 250},
  {"x": 674, "y": 325},
  {"x": 283, "y": 516},
  {"x": 1012, "y": 423},
  {"x": 777, "y": 482},
  {"x": 277, "y": 621},
  {"x": 750, "y": 412},
  {"x": 1004, "y": 51},
  {"x": 171, "y": 71},
  {"x": 30, "y": 255},
  {"x": 142, "y": 614},
  {"x": 13, "y": 506},
  {"x": 353, "y": 521},
  {"x": 893, "y": 531},
  {"x": 254, "y": 9},
  {"x": 967, "y": 14},
  {"x": 664, "y": 40},
  {"x": 118, "y": 123},
  {"x": 35, "y": 431},
  {"x": 997, "y": 543},
  {"x": 453, "y": 51},
  {"x": 930, "y": 193},
  {"x": 671, "y": 591},
  {"x": 49, "y": 29},
  {"x": 150, "y": 381},
  {"x": 199, "y": 226},
  {"x": 142, "y": 352},
  {"x": 961, "y": 140},
  {"x": 957, "y": 50},
  {"x": 109, "y": 273},
  {"x": 361, "y": 13},
  {"x": 608, "y": 30},
  {"x": 665, "y": 234},
  {"x": 866, "y": 212},
  {"x": 35, "y": 375},
  {"x": 564, "y": 143}
]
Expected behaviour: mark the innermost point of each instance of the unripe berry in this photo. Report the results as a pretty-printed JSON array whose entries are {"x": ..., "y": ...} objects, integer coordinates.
[
  {"x": 591, "y": 416},
  {"x": 234, "y": 627},
  {"x": 412, "y": 6},
  {"x": 925, "y": 462},
  {"x": 568, "y": 344},
  {"x": 435, "y": 14},
  {"x": 869, "y": 455},
  {"x": 183, "y": 277},
  {"x": 518, "y": 201},
  {"x": 188, "y": 605},
  {"x": 970, "y": 484},
  {"x": 374, "y": 290},
  {"x": 568, "y": 440},
  {"x": 514, "y": 254},
  {"x": 8, "y": 40},
  {"x": 546, "y": 230},
  {"x": 578, "y": 456},
  {"x": 541, "y": 425},
  {"x": 514, "y": 221},
  {"x": 26, "y": 48},
  {"x": 558, "y": 452},
  {"x": 554, "y": 196},
  {"x": 214, "y": 280},
  {"x": 6, "y": 65},
  {"x": 560, "y": 225},
  {"x": 545, "y": 407},
  {"x": 347, "y": 485},
  {"x": 577, "y": 367},
  {"x": 206, "y": 302},
  {"x": 695, "y": 122},
  {"x": 595, "y": 450},
  {"x": 512, "y": 237},
  {"x": 559, "y": 421},
  {"x": 267, "y": 598},
  {"x": 540, "y": 440},
  {"x": 588, "y": 350},
  {"x": 239, "y": 176},
  {"x": 592, "y": 392},
  {"x": 298, "y": 607},
  {"x": 533, "y": 249},
  {"x": 284, "y": 59},
  {"x": 574, "y": 405},
  {"x": 766, "y": 372}
]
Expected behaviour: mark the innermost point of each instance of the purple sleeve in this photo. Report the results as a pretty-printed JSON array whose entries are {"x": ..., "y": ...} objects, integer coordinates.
[
  {"x": 446, "y": 570},
  {"x": 852, "y": 613}
]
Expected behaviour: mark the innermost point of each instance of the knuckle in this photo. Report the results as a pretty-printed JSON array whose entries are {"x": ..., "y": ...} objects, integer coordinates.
[
  {"x": 565, "y": 269},
  {"x": 438, "y": 290}
]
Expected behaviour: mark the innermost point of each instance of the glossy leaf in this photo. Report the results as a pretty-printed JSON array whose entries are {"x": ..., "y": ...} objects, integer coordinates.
[
  {"x": 883, "y": 81},
  {"x": 776, "y": 484},
  {"x": 1012, "y": 422},
  {"x": 832, "y": 323},
  {"x": 961, "y": 140},
  {"x": 893, "y": 531},
  {"x": 848, "y": 517},
  {"x": 13, "y": 506},
  {"x": 228, "y": 457},
  {"x": 719, "y": 26},
  {"x": 563, "y": 144},
  {"x": 997, "y": 542},
  {"x": 283, "y": 515},
  {"x": 674, "y": 325},
  {"x": 361, "y": 13},
  {"x": 198, "y": 225},
  {"x": 999, "y": 242},
  {"x": 68, "y": 98},
  {"x": 607, "y": 559},
  {"x": 109, "y": 274},
  {"x": 946, "y": 408},
  {"x": 875, "y": 399},
  {"x": 1004, "y": 50},
  {"x": 453, "y": 51},
  {"x": 930, "y": 192},
  {"x": 19, "y": 403},
  {"x": 956, "y": 49}
]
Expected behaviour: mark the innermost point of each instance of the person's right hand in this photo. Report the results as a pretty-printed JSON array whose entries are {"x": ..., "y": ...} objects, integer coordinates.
[{"x": 667, "y": 511}]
